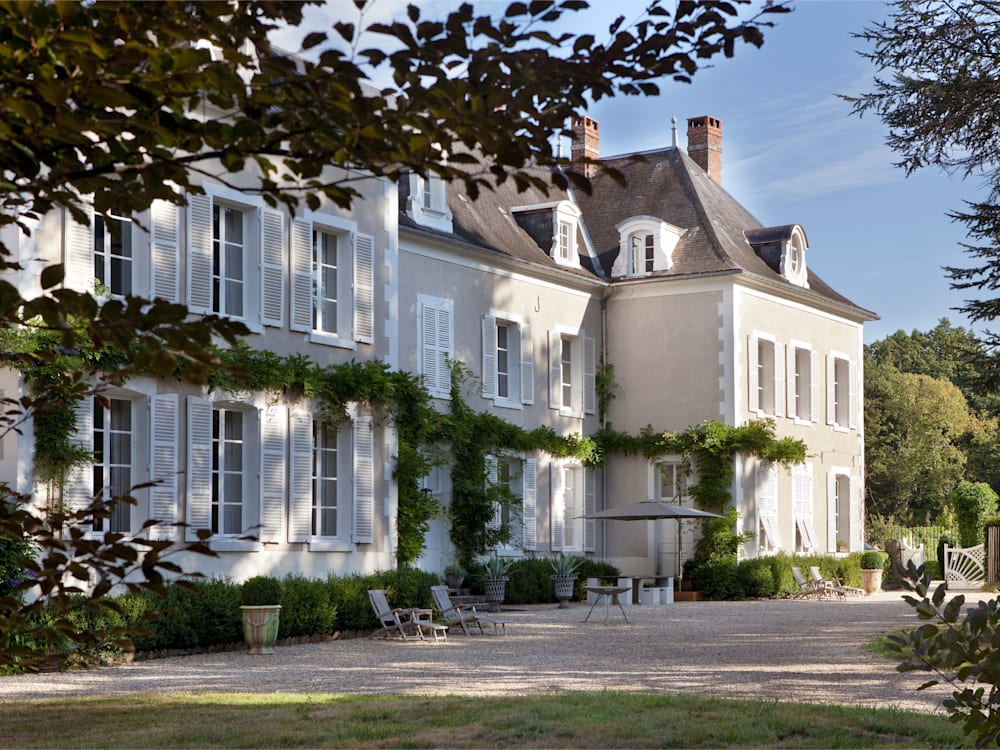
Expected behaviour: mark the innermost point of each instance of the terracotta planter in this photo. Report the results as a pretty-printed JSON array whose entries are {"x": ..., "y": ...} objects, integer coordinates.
[
  {"x": 260, "y": 627},
  {"x": 871, "y": 581},
  {"x": 496, "y": 589},
  {"x": 564, "y": 589}
]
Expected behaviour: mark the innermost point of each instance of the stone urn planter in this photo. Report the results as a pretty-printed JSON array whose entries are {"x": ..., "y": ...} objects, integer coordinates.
[
  {"x": 564, "y": 569},
  {"x": 564, "y": 589},
  {"x": 872, "y": 564},
  {"x": 261, "y": 608},
  {"x": 495, "y": 581}
]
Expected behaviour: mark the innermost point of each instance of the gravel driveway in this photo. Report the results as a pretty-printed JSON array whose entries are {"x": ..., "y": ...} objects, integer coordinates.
[{"x": 798, "y": 650}]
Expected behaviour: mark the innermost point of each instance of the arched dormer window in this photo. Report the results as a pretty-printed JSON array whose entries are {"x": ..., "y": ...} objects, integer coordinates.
[
  {"x": 646, "y": 245},
  {"x": 427, "y": 203},
  {"x": 793, "y": 259},
  {"x": 784, "y": 250}
]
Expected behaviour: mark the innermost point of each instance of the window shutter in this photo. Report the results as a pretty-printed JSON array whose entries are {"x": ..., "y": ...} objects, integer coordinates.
[
  {"x": 855, "y": 504},
  {"x": 779, "y": 380},
  {"x": 555, "y": 370},
  {"x": 790, "y": 381},
  {"x": 852, "y": 403},
  {"x": 200, "y": 254},
  {"x": 302, "y": 276},
  {"x": 491, "y": 481},
  {"x": 301, "y": 483},
  {"x": 529, "y": 503},
  {"x": 364, "y": 288},
  {"x": 831, "y": 513},
  {"x": 364, "y": 481},
  {"x": 78, "y": 266},
  {"x": 814, "y": 386},
  {"x": 831, "y": 390},
  {"x": 767, "y": 500},
  {"x": 589, "y": 508},
  {"x": 199, "y": 468},
  {"x": 444, "y": 344},
  {"x": 78, "y": 492},
  {"x": 527, "y": 365},
  {"x": 557, "y": 505},
  {"x": 589, "y": 375},
  {"x": 165, "y": 249},
  {"x": 428, "y": 348},
  {"x": 753, "y": 400},
  {"x": 272, "y": 233},
  {"x": 489, "y": 371},
  {"x": 273, "y": 479},
  {"x": 163, "y": 465}
]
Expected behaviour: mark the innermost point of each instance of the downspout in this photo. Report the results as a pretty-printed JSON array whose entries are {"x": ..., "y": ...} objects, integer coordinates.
[{"x": 604, "y": 474}]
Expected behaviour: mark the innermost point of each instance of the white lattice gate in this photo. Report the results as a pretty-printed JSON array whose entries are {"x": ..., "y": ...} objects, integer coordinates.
[{"x": 965, "y": 567}]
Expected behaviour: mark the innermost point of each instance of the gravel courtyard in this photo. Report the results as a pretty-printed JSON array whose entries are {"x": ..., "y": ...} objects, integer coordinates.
[{"x": 798, "y": 650}]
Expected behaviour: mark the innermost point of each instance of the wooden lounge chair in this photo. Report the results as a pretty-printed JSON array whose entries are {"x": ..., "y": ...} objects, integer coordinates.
[
  {"x": 404, "y": 623},
  {"x": 835, "y": 583},
  {"x": 464, "y": 616},
  {"x": 813, "y": 589}
]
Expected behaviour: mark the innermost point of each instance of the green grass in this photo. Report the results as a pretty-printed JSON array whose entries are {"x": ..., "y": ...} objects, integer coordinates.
[{"x": 591, "y": 719}]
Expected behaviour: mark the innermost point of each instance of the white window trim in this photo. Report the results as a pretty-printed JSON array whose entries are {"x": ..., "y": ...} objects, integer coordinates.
[
  {"x": 521, "y": 369},
  {"x": 799, "y": 276},
  {"x": 584, "y": 372},
  {"x": 854, "y": 531},
  {"x": 778, "y": 365},
  {"x": 570, "y": 214},
  {"x": 437, "y": 215},
  {"x": 558, "y": 517},
  {"x": 665, "y": 237},
  {"x": 853, "y": 397},
  {"x": 794, "y": 345}
]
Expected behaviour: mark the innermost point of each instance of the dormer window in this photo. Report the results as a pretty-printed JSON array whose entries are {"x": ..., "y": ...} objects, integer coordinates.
[
  {"x": 565, "y": 241},
  {"x": 794, "y": 259},
  {"x": 784, "y": 250},
  {"x": 646, "y": 246},
  {"x": 554, "y": 227},
  {"x": 427, "y": 203}
]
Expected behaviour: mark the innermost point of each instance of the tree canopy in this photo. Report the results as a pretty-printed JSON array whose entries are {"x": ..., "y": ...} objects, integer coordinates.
[{"x": 939, "y": 93}]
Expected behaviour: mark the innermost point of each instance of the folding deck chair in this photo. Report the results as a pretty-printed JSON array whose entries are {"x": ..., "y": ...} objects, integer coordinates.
[{"x": 464, "y": 616}]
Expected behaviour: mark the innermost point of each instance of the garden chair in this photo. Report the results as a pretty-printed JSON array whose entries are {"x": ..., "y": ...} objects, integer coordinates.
[
  {"x": 835, "y": 583},
  {"x": 403, "y": 623},
  {"x": 812, "y": 589},
  {"x": 464, "y": 616}
]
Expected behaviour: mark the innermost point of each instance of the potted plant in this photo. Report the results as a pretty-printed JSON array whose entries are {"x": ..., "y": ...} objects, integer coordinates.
[
  {"x": 564, "y": 570},
  {"x": 872, "y": 564},
  {"x": 454, "y": 576},
  {"x": 261, "y": 606},
  {"x": 495, "y": 581}
]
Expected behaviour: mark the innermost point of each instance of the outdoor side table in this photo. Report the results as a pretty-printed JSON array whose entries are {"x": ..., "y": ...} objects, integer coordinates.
[{"x": 609, "y": 595}]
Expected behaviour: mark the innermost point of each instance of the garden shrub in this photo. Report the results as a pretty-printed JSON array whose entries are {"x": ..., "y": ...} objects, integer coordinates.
[
  {"x": 407, "y": 586},
  {"x": 305, "y": 608},
  {"x": 755, "y": 578},
  {"x": 349, "y": 595},
  {"x": 13, "y": 552},
  {"x": 972, "y": 502},
  {"x": 530, "y": 582}
]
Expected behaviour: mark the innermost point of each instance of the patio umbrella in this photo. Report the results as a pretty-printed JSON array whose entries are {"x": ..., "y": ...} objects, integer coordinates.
[{"x": 651, "y": 510}]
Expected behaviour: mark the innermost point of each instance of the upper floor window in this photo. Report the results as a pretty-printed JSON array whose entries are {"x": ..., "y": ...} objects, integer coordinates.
[
  {"x": 508, "y": 373},
  {"x": 642, "y": 253},
  {"x": 332, "y": 288},
  {"x": 793, "y": 259},
  {"x": 766, "y": 375},
  {"x": 803, "y": 383},
  {"x": 565, "y": 242},
  {"x": 572, "y": 368},
  {"x": 841, "y": 391},
  {"x": 427, "y": 203},
  {"x": 113, "y": 252},
  {"x": 435, "y": 348},
  {"x": 229, "y": 257},
  {"x": 646, "y": 245}
]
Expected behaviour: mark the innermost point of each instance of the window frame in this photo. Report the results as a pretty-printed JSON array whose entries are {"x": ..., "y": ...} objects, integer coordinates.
[
  {"x": 842, "y": 395},
  {"x": 802, "y": 359},
  {"x": 765, "y": 376},
  {"x": 520, "y": 360},
  {"x": 102, "y": 235},
  {"x": 581, "y": 381},
  {"x": 561, "y": 514}
]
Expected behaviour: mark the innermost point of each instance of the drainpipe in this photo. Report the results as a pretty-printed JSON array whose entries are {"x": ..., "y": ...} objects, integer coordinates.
[{"x": 604, "y": 474}]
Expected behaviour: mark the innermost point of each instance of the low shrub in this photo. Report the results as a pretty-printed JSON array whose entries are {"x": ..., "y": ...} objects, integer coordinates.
[
  {"x": 755, "y": 578},
  {"x": 305, "y": 608}
]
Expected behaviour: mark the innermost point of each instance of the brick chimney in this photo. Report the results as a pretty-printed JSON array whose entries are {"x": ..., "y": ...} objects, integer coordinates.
[
  {"x": 586, "y": 144},
  {"x": 705, "y": 144}
]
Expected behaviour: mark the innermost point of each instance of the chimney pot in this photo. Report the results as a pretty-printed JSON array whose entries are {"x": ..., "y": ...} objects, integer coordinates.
[
  {"x": 586, "y": 145},
  {"x": 704, "y": 136}
]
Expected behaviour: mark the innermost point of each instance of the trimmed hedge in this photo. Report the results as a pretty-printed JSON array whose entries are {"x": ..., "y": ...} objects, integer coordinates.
[
  {"x": 530, "y": 580},
  {"x": 764, "y": 577}
]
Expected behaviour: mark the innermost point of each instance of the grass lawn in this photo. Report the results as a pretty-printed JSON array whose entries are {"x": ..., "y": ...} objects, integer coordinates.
[{"x": 577, "y": 720}]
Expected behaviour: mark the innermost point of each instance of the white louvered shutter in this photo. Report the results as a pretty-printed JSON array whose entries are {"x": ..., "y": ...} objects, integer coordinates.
[
  {"x": 589, "y": 375},
  {"x": 302, "y": 276},
  {"x": 831, "y": 390},
  {"x": 753, "y": 397},
  {"x": 492, "y": 474},
  {"x": 589, "y": 508},
  {"x": 444, "y": 348},
  {"x": 791, "y": 381},
  {"x": 557, "y": 505},
  {"x": 852, "y": 403},
  {"x": 78, "y": 265},
  {"x": 814, "y": 386},
  {"x": 364, "y": 481},
  {"x": 428, "y": 346},
  {"x": 273, "y": 475},
  {"x": 301, "y": 482},
  {"x": 527, "y": 365},
  {"x": 779, "y": 380},
  {"x": 199, "y": 254},
  {"x": 767, "y": 501},
  {"x": 164, "y": 416},
  {"x": 488, "y": 375},
  {"x": 831, "y": 513},
  {"x": 272, "y": 277},
  {"x": 364, "y": 288},
  {"x": 555, "y": 370},
  {"x": 199, "y": 465},
  {"x": 78, "y": 492},
  {"x": 856, "y": 541},
  {"x": 165, "y": 250},
  {"x": 529, "y": 503}
]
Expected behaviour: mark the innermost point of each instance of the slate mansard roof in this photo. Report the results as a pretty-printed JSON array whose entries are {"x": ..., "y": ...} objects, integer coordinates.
[{"x": 666, "y": 184}]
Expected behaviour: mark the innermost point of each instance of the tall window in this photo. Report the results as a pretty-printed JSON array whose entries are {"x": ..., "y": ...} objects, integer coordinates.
[
  {"x": 671, "y": 484},
  {"x": 842, "y": 392},
  {"x": 567, "y": 370},
  {"x": 228, "y": 442},
  {"x": 326, "y": 273},
  {"x": 113, "y": 252},
  {"x": 642, "y": 253},
  {"x": 503, "y": 359},
  {"x": 325, "y": 456},
  {"x": 565, "y": 240},
  {"x": 113, "y": 448},
  {"x": 842, "y": 511},
  {"x": 765, "y": 376},
  {"x": 802, "y": 408},
  {"x": 228, "y": 257},
  {"x": 573, "y": 494}
]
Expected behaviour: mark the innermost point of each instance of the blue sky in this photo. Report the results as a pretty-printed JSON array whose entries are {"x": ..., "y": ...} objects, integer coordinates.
[{"x": 792, "y": 153}]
